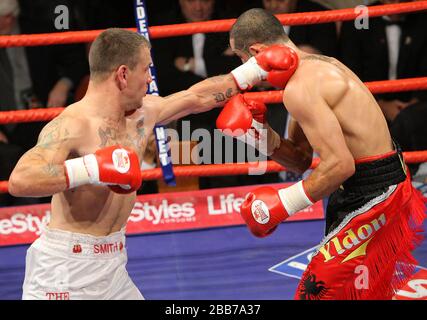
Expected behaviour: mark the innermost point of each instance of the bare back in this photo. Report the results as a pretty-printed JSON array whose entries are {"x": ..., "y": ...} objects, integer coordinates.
[
  {"x": 92, "y": 209},
  {"x": 322, "y": 80}
]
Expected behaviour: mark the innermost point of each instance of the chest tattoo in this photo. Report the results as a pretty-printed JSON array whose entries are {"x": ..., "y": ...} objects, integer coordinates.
[{"x": 108, "y": 136}]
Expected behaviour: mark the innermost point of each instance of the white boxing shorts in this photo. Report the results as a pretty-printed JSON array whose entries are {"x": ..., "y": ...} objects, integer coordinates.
[{"x": 62, "y": 265}]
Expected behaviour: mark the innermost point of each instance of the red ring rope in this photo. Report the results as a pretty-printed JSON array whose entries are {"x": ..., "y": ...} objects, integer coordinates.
[
  {"x": 235, "y": 168},
  {"x": 44, "y": 114},
  {"x": 212, "y": 26},
  {"x": 243, "y": 168},
  {"x": 375, "y": 87}
]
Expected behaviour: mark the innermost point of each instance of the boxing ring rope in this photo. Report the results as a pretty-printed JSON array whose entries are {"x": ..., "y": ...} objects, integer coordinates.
[
  {"x": 43, "y": 114},
  {"x": 212, "y": 25},
  {"x": 267, "y": 97},
  {"x": 33, "y": 115},
  {"x": 376, "y": 87},
  {"x": 210, "y": 170}
]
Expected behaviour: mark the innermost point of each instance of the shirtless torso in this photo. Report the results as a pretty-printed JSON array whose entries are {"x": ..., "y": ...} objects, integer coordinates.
[
  {"x": 334, "y": 114},
  {"x": 322, "y": 82},
  {"x": 76, "y": 132},
  {"x": 83, "y": 129},
  {"x": 92, "y": 209}
]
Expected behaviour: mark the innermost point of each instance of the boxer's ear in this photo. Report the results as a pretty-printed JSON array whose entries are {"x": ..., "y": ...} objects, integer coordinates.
[
  {"x": 122, "y": 74},
  {"x": 256, "y": 48}
]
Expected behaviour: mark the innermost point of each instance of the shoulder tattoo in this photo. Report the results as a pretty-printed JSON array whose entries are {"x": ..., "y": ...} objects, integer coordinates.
[{"x": 52, "y": 134}]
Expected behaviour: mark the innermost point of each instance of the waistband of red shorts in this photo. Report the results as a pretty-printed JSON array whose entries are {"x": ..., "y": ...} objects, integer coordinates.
[
  {"x": 375, "y": 158},
  {"x": 377, "y": 172}
]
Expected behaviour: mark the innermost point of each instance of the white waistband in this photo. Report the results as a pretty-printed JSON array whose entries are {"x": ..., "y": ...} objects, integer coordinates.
[{"x": 81, "y": 245}]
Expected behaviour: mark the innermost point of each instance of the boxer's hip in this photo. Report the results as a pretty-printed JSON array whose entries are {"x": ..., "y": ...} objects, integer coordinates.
[
  {"x": 373, "y": 177},
  {"x": 65, "y": 265}
]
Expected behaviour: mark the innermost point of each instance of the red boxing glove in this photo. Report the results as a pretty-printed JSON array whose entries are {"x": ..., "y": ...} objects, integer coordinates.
[
  {"x": 280, "y": 62},
  {"x": 265, "y": 208},
  {"x": 263, "y": 211},
  {"x": 239, "y": 114},
  {"x": 114, "y": 166},
  {"x": 246, "y": 120}
]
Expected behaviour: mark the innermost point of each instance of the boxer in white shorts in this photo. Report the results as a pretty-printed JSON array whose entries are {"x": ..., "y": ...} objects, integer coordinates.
[
  {"x": 88, "y": 159},
  {"x": 63, "y": 265}
]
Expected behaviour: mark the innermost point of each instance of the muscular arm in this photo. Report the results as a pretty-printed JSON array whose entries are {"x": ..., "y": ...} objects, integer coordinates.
[
  {"x": 203, "y": 96},
  {"x": 40, "y": 171},
  {"x": 294, "y": 153},
  {"x": 324, "y": 133}
]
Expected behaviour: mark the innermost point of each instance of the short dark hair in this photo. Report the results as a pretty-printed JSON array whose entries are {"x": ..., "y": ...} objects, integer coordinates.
[
  {"x": 256, "y": 26},
  {"x": 115, "y": 47}
]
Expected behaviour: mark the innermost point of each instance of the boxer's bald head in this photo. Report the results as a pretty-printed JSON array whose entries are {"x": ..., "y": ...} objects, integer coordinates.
[{"x": 256, "y": 26}]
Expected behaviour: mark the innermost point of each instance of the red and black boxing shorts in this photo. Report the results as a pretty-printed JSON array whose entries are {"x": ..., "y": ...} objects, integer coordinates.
[{"x": 373, "y": 222}]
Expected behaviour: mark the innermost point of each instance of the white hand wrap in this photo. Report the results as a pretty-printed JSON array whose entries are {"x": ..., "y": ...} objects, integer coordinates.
[
  {"x": 294, "y": 198},
  {"x": 249, "y": 74},
  {"x": 81, "y": 171}
]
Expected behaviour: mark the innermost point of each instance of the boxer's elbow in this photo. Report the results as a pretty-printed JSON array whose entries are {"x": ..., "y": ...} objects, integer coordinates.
[
  {"x": 19, "y": 184},
  {"x": 16, "y": 185},
  {"x": 335, "y": 170},
  {"x": 343, "y": 168}
]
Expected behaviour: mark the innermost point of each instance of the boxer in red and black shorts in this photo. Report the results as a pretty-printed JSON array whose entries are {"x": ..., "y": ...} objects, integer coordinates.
[
  {"x": 371, "y": 227},
  {"x": 374, "y": 214}
]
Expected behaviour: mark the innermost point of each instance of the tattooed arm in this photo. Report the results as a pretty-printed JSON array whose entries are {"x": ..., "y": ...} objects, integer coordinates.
[
  {"x": 40, "y": 171},
  {"x": 213, "y": 92},
  {"x": 203, "y": 96}
]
